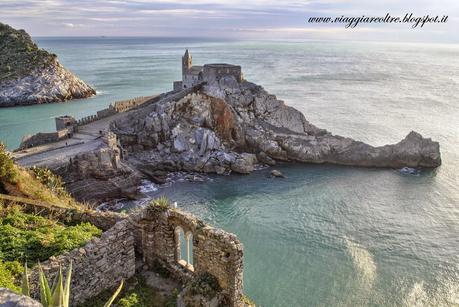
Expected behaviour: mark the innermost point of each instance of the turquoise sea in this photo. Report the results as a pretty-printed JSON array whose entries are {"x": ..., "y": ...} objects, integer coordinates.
[{"x": 325, "y": 235}]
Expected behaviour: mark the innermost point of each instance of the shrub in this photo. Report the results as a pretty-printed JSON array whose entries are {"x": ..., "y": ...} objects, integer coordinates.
[
  {"x": 162, "y": 203},
  {"x": 8, "y": 171},
  {"x": 205, "y": 284},
  {"x": 131, "y": 300},
  {"x": 50, "y": 180},
  {"x": 10, "y": 272}
]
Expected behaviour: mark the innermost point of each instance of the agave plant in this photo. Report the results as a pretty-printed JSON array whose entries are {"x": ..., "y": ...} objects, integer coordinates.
[{"x": 58, "y": 295}]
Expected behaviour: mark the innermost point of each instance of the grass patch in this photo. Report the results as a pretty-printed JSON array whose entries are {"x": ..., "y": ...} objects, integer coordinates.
[
  {"x": 38, "y": 184},
  {"x": 136, "y": 293},
  {"x": 32, "y": 238}
]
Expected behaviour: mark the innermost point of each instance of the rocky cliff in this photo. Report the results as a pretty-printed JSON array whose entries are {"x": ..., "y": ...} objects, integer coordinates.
[
  {"x": 229, "y": 126},
  {"x": 30, "y": 75},
  {"x": 98, "y": 176}
]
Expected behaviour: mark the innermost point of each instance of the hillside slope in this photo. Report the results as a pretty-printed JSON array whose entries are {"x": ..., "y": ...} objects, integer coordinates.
[{"x": 30, "y": 75}]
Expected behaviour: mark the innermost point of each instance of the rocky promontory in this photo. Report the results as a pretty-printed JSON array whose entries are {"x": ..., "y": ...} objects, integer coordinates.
[
  {"x": 30, "y": 75},
  {"x": 230, "y": 126}
]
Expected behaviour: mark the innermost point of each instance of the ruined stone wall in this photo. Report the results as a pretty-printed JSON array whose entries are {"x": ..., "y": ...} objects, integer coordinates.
[
  {"x": 214, "y": 251},
  {"x": 43, "y": 138},
  {"x": 99, "y": 265},
  {"x": 102, "y": 220},
  {"x": 153, "y": 233}
]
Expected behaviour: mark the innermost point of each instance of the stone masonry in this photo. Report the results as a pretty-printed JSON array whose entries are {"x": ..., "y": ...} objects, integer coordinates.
[
  {"x": 214, "y": 251},
  {"x": 150, "y": 235},
  {"x": 99, "y": 265}
]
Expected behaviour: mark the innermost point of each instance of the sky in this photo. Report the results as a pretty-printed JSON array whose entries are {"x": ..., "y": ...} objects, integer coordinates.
[{"x": 236, "y": 19}]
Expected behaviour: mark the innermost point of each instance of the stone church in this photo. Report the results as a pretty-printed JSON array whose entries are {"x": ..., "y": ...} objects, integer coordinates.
[{"x": 194, "y": 74}]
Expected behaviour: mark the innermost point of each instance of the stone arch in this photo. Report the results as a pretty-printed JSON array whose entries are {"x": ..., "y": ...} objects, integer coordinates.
[
  {"x": 184, "y": 247},
  {"x": 179, "y": 239},
  {"x": 189, "y": 249}
]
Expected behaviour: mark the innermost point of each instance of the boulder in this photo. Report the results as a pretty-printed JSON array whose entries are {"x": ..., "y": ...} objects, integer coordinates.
[
  {"x": 277, "y": 173},
  {"x": 10, "y": 299},
  {"x": 244, "y": 163}
]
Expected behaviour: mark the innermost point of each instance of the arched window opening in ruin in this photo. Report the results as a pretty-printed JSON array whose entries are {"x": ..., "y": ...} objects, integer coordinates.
[
  {"x": 189, "y": 241},
  {"x": 184, "y": 248}
]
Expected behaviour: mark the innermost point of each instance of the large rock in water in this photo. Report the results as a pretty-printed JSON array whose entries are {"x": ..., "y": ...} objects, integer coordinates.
[
  {"x": 29, "y": 75},
  {"x": 218, "y": 127}
]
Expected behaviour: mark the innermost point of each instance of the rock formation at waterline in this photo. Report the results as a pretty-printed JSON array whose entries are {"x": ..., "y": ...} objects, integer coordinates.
[
  {"x": 30, "y": 75},
  {"x": 230, "y": 125}
]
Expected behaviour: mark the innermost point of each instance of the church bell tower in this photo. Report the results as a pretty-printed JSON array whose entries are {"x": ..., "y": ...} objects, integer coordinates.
[{"x": 187, "y": 62}]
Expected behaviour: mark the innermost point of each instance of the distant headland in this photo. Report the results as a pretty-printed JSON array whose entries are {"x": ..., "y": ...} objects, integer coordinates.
[
  {"x": 214, "y": 121},
  {"x": 30, "y": 75}
]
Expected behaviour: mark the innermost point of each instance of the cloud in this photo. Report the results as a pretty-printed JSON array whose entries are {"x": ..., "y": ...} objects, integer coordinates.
[{"x": 254, "y": 19}]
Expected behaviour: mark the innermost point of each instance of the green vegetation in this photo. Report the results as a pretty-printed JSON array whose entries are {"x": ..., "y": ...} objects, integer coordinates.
[
  {"x": 205, "y": 284},
  {"x": 136, "y": 293},
  {"x": 19, "y": 55},
  {"x": 162, "y": 203},
  {"x": 58, "y": 295},
  {"x": 38, "y": 184},
  {"x": 8, "y": 171},
  {"x": 53, "y": 182},
  {"x": 10, "y": 273},
  {"x": 32, "y": 238}
]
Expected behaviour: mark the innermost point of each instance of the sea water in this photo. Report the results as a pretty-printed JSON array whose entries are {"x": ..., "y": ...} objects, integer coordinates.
[{"x": 325, "y": 235}]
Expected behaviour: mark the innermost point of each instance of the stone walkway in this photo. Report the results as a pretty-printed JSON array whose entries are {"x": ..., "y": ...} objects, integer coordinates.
[{"x": 87, "y": 138}]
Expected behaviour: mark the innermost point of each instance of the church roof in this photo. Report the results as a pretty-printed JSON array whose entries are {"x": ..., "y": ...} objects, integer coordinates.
[{"x": 195, "y": 70}]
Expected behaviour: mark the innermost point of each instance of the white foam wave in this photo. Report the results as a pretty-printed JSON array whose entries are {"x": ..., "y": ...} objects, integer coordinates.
[
  {"x": 147, "y": 187},
  {"x": 363, "y": 261},
  {"x": 445, "y": 294}
]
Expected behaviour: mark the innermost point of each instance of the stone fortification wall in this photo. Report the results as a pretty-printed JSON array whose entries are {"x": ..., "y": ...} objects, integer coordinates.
[
  {"x": 213, "y": 72},
  {"x": 66, "y": 125},
  {"x": 44, "y": 138},
  {"x": 125, "y": 105},
  {"x": 86, "y": 120}
]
